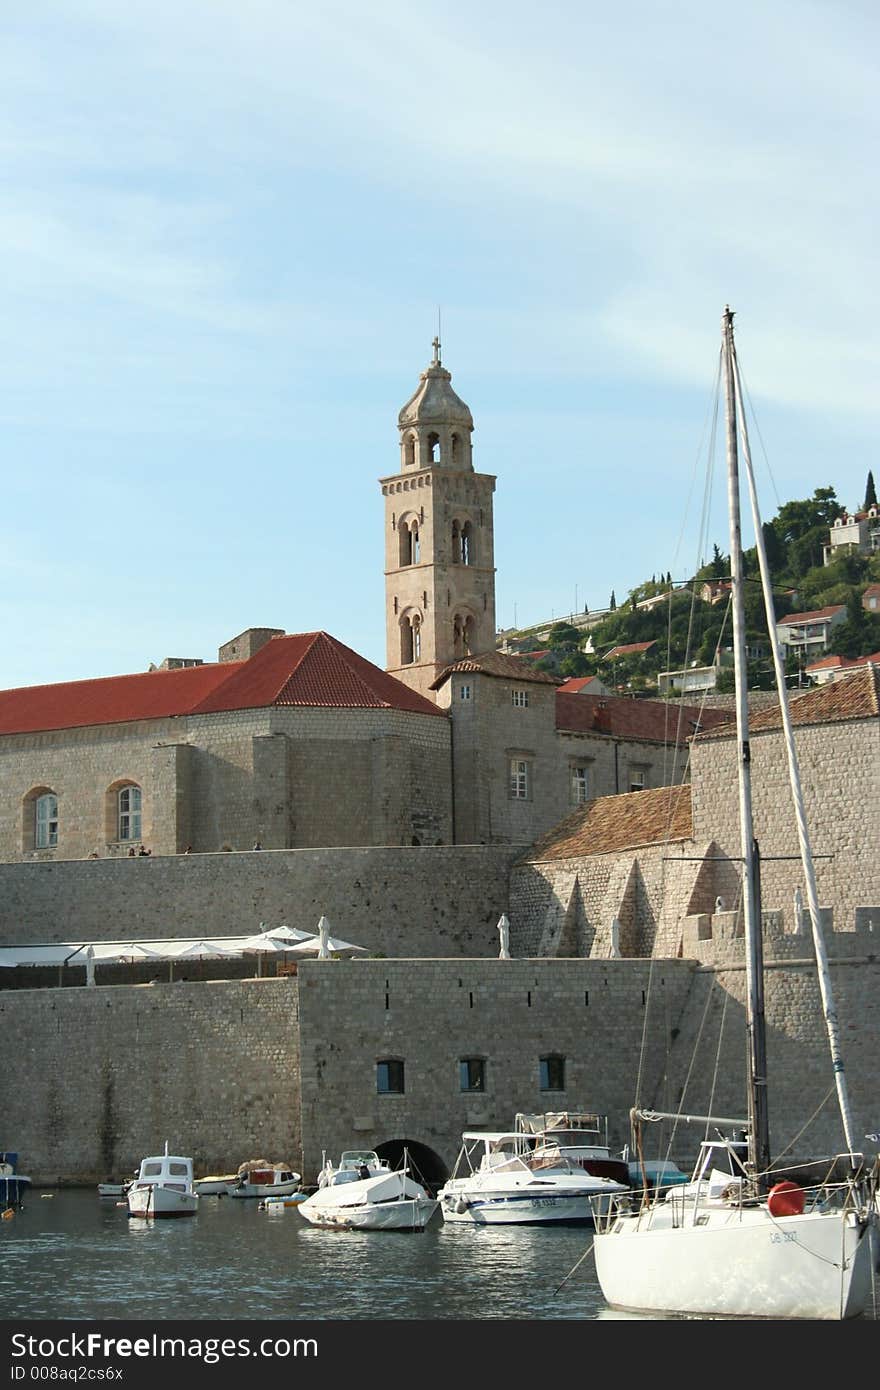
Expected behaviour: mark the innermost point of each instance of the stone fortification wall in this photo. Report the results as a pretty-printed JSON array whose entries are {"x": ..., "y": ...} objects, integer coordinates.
[
  {"x": 840, "y": 775},
  {"x": 409, "y": 901},
  {"x": 285, "y": 1069},
  {"x": 430, "y": 1014},
  {"x": 104, "y": 1076},
  {"x": 596, "y": 1014},
  {"x": 565, "y": 907}
]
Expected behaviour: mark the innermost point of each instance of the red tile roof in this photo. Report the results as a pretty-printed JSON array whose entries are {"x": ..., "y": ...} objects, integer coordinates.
[
  {"x": 831, "y": 663},
  {"x": 495, "y": 663},
  {"x": 309, "y": 668},
  {"x": 629, "y": 649},
  {"x": 659, "y": 721},
  {"x": 575, "y": 684},
  {"x": 854, "y": 696},
  {"x": 816, "y": 616},
  {"x": 611, "y": 824}
]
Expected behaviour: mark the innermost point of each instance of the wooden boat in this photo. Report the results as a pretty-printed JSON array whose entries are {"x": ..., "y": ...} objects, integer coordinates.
[{"x": 163, "y": 1187}]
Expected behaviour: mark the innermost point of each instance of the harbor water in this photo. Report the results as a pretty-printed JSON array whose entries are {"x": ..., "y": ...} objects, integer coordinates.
[
  {"x": 517, "y": 1294},
  {"x": 75, "y": 1255}
]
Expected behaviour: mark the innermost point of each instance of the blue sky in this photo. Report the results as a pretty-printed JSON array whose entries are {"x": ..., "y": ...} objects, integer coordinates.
[{"x": 225, "y": 232}]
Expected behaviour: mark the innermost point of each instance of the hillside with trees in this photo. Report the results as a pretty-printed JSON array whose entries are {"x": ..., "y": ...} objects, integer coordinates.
[{"x": 685, "y": 628}]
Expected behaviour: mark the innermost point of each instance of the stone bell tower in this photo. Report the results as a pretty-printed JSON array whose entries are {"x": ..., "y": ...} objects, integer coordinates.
[{"x": 439, "y": 538}]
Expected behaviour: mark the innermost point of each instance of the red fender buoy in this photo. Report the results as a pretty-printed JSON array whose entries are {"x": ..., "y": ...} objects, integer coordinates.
[{"x": 786, "y": 1199}]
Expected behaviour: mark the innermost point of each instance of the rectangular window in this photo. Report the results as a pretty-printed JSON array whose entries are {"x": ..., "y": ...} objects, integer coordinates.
[
  {"x": 552, "y": 1073},
  {"x": 638, "y": 779},
  {"x": 464, "y": 692},
  {"x": 580, "y": 785},
  {"x": 472, "y": 1074},
  {"x": 46, "y": 829},
  {"x": 519, "y": 779},
  {"x": 520, "y": 698},
  {"x": 389, "y": 1077},
  {"x": 130, "y": 813}
]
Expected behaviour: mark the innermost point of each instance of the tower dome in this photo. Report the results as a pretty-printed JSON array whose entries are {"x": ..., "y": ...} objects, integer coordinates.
[{"x": 435, "y": 424}]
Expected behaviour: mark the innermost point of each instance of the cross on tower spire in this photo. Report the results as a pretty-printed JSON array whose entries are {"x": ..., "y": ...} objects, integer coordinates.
[{"x": 436, "y": 346}]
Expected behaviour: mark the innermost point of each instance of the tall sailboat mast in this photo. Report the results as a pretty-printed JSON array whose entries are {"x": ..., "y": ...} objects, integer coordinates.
[
  {"x": 824, "y": 973},
  {"x": 759, "y": 1127}
]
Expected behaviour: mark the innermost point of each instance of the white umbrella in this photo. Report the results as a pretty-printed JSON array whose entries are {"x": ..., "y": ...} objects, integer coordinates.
[
  {"x": 323, "y": 945},
  {"x": 202, "y": 950},
  {"x": 268, "y": 941},
  {"x": 286, "y": 933}
]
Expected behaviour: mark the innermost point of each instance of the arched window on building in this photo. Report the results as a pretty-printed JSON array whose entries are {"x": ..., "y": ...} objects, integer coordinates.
[
  {"x": 406, "y": 642},
  {"x": 417, "y": 638},
  {"x": 408, "y": 533},
  {"x": 46, "y": 821},
  {"x": 456, "y": 449},
  {"x": 434, "y": 448},
  {"x": 128, "y": 814},
  {"x": 462, "y": 636},
  {"x": 456, "y": 543},
  {"x": 409, "y": 450},
  {"x": 467, "y": 544}
]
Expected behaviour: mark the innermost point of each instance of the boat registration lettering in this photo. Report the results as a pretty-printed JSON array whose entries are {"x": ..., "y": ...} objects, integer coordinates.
[{"x": 779, "y": 1237}]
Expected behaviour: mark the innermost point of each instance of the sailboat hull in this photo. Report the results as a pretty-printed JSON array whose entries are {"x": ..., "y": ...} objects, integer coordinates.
[{"x": 741, "y": 1263}]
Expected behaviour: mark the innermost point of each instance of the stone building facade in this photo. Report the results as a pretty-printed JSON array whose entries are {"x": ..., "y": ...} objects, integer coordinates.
[
  {"x": 300, "y": 742},
  {"x": 654, "y": 861},
  {"x": 294, "y": 741}
]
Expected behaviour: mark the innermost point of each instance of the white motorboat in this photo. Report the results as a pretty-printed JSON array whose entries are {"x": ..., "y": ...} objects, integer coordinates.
[
  {"x": 115, "y": 1189},
  {"x": 578, "y": 1135},
  {"x": 261, "y": 1179},
  {"x": 498, "y": 1180},
  {"x": 216, "y": 1184},
  {"x": 362, "y": 1193},
  {"x": 737, "y": 1242},
  {"x": 163, "y": 1187}
]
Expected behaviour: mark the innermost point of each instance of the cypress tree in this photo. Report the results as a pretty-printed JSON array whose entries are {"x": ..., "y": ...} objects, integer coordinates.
[{"x": 870, "y": 492}]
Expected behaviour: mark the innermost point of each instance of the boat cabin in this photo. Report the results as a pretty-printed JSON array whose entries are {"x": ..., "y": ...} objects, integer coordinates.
[{"x": 166, "y": 1170}]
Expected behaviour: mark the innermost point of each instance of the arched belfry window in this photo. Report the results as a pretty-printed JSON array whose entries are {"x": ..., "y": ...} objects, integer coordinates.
[
  {"x": 462, "y": 636},
  {"x": 467, "y": 544},
  {"x": 456, "y": 543},
  {"x": 434, "y": 448},
  {"x": 409, "y": 449},
  {"x": 410, "y": 638},
  {"x": 456, "y": 449},
  {"x": 408, "y": 533}
]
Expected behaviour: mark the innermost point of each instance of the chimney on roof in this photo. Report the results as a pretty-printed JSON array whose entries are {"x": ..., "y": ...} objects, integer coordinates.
[{"x": 243, "y": 647}]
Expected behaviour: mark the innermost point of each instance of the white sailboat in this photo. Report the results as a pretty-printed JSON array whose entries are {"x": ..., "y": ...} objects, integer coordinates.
[{"x": 722, "y": 1245}]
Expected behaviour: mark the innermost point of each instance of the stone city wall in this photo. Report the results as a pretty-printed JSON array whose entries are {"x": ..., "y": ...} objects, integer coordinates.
[
  {"x": 286, "y": 1069},
  {"x": 840, "y": 776},
  {"x": 410, "y": 901},
  {"x": 104, "y": 1076}
]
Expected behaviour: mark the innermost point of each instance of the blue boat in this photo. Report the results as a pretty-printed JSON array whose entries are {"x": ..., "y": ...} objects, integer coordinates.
[{"x": 13, "y": 1185}]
